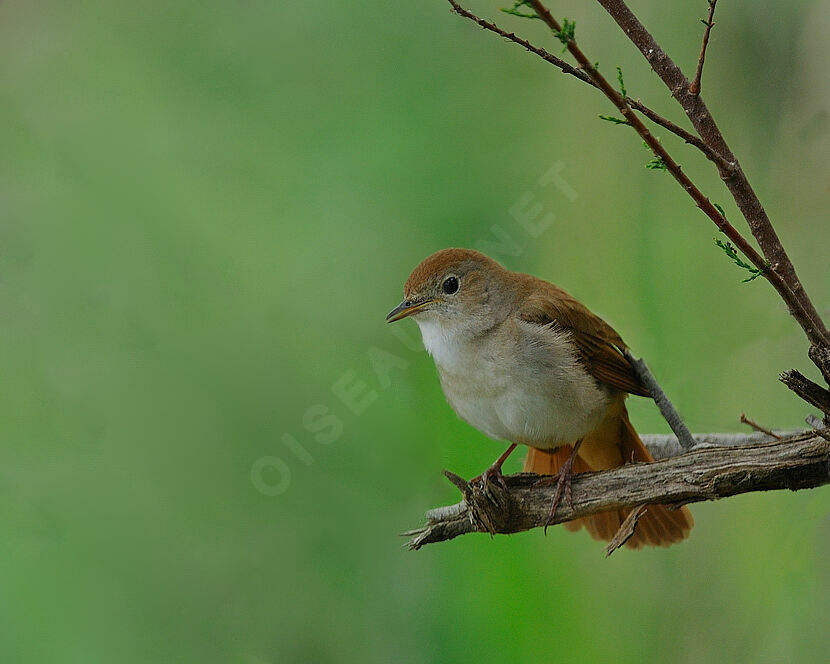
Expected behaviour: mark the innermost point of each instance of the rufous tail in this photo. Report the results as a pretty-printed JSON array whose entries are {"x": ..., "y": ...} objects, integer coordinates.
[{"x": 610, "y": 445}]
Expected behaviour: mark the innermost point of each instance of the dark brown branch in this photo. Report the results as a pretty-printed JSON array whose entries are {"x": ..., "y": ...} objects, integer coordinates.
[
  {"x": 542, "y": 53},
  {"x": 694, "y": 88},
  {"x": 710, "y": 473},
  {"x": 654, "y": 116},
  {"x": 677, "y": 130},
  {"x": 811, "y": 392},
  {"x": 782, "y": 274}
]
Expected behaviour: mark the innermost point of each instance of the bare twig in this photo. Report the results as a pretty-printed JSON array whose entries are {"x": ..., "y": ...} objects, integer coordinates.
[
  {"x": 782, "y": 274},
  {"x": 677, "y": 130},
  {"x": 694, "y": 88},
  {"x": 542, "y": 53},
  {"x": 654, "y": 116},
  {"x": 666, "y": 407},
  {"x": 758, "y": 427},
  {"x": 811, "y": 392},
  {"x": 709, "y": 473}
]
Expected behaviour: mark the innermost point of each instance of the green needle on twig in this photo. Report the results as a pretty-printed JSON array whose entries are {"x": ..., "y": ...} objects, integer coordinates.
[{"x": 730, "y": 251}]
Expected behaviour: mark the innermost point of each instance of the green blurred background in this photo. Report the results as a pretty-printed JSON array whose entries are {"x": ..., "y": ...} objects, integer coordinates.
[{"x": 207, "y": 208}]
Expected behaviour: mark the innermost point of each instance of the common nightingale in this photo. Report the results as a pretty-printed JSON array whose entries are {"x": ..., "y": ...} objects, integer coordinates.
[{"x": 523, "y": 361}]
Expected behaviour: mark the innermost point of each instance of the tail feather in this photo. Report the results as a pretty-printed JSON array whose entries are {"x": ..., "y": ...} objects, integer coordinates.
[
  {"x": 613, "y": 443},
  {"x": 664, "y": 525}
]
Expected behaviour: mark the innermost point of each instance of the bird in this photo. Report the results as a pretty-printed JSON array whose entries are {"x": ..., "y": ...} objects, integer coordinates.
[{"x": 524, "y": 362}]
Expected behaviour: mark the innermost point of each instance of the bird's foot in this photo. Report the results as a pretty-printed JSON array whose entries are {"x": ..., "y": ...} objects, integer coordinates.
[
  {"x": 563, "y": 486},
  {"x": 493, "y": 473}
]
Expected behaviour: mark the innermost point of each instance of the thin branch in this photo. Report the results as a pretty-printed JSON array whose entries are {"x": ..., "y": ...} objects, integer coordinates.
[
  {"x": 654, "y": 116},
  {"x": 709, "y": 473},
  {"x": 811, "y": 392},
  {"x": 542, "y": 53},
  {"x": 666, "y": 407},
  {"x": 758, "y": 427},
  {"x": 782, "y": 274},
  {"x": 677, "y": 130},
  {"x": 694, "y": 88}
]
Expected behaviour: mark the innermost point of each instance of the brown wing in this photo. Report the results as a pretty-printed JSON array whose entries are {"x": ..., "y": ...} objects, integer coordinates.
[{"x": 599, "y": 346}]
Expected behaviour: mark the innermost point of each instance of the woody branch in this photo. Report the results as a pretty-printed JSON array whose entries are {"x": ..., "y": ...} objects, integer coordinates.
[{"x": 800, "y": 461}]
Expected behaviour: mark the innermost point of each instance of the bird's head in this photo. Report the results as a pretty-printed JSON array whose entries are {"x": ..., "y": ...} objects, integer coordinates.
[{"x": 458, "y": 289}]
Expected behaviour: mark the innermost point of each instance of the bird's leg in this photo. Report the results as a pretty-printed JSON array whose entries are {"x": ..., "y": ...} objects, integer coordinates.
[
  {"x": 493, "y": 473},
  {"x": 563, "y": 484}
]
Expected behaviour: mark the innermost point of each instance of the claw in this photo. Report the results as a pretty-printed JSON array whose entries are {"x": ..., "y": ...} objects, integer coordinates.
[
  {"x": 493, "y": 473},
  {"x": 563, "y": 485}
]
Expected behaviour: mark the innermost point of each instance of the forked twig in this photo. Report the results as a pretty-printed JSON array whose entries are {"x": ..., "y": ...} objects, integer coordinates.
[
  {"x": 694, "y": 88},
  {"x": 654, "y": 116}
]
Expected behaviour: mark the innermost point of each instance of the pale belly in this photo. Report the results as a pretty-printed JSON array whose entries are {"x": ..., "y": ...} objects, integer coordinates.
[
  {"x": 544, "y": 404},
  {"x": 535, "y": 414}
]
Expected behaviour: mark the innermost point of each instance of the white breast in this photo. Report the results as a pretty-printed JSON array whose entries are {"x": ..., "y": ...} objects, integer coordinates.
[{"x": 519, "y": 382}]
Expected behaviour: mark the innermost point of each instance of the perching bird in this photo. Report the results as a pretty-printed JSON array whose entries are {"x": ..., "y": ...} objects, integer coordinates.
[{"x": 523, "y": 361}]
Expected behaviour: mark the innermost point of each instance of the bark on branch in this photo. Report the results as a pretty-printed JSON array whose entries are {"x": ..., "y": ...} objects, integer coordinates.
[{"x": 801, "y": 461}]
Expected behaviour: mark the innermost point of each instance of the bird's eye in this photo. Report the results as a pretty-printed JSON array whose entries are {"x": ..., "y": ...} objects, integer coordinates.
[{"x": 450, "y": 285}]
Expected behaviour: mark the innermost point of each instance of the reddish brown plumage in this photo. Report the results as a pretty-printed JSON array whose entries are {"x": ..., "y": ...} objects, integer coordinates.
[
  {"x": 598, "y": 343},
  {"x": 442, "y": 262}
]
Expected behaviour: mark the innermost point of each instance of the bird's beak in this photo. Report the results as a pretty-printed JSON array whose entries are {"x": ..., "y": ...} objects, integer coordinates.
[{"x": 406, "y": 308}]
